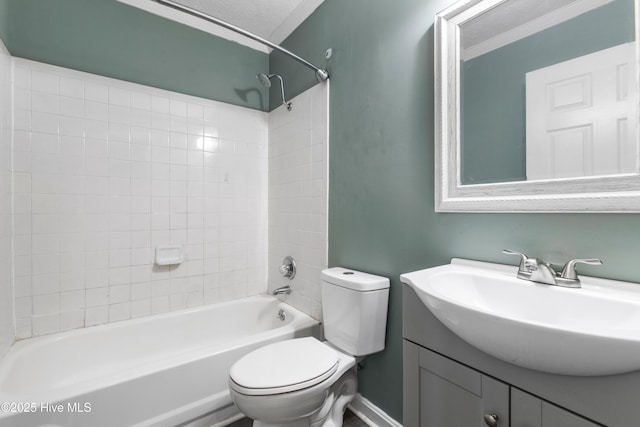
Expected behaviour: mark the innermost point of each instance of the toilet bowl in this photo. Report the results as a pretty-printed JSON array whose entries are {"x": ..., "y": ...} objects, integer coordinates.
[
  {"x": 304, "y": 382},
  {"x": 299, "y": 382}
]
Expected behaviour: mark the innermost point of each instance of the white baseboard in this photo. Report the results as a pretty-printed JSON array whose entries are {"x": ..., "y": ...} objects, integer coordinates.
[{"x": 371, "y": 414}]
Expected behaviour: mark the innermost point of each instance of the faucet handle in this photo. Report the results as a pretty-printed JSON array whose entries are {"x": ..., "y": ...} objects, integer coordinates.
[
  {"x": 523, "y": 258},
  {"x": 569, "y": 269},
  {"x": 288, "y": 268}
]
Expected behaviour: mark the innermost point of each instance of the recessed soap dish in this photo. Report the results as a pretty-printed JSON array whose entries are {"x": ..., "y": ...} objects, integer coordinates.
[{"x": 169, "y": 255}]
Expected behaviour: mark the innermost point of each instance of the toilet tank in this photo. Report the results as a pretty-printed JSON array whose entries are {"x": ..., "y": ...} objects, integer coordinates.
[{"x": 354, "y": 310}]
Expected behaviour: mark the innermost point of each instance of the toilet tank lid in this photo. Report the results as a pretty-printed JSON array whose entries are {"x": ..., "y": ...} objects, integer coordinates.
[{"x": 354, "y": 280}]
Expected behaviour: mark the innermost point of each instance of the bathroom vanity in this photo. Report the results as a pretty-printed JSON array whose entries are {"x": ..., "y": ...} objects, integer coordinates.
[{"x": 448, "y": 382}]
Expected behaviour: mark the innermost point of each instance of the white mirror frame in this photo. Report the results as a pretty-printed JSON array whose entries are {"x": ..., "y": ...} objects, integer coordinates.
[{"x": 619, "y": 193}]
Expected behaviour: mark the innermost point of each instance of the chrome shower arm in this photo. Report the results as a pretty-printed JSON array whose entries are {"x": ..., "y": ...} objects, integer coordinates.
[
  {"x": 284, "y": 101},
  {"x": 321, "y": 74}
]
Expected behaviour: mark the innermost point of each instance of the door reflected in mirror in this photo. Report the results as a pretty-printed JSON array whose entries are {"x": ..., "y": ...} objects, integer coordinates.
[
  {"x": 548, "y": 91},
  {"x": 536, "y": 106}
]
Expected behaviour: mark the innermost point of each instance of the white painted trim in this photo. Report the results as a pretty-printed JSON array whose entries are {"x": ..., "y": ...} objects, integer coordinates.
[
  {"x": 192, "y": 21},
  {"x": 619, "y": 193},
  {"x": 327, "y": 173},
  {"x": 370, "y": 413},
  {"x": 555, "y": 17},
  {"x": 288, "y": 26}
]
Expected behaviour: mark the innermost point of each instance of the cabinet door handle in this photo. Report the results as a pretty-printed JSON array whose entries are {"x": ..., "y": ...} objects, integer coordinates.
[{"x": 491, "y": 419}]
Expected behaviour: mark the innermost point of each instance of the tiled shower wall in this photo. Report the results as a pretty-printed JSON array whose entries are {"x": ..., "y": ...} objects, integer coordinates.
[
  {"x": 104, "y": 171},
  {"x": 298, "y": 153},
  {"x": 6, "y": 290}
]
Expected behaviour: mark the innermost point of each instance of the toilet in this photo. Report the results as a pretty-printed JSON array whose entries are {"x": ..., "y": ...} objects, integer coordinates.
[{"x": 304, "y": 382}]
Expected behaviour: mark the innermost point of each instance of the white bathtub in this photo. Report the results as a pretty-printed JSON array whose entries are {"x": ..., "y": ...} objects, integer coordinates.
[{"x": 163, "y": 370}]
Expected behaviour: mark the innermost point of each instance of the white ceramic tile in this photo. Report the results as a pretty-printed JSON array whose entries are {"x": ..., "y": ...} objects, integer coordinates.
[
  {"x": 119, "y": 293},
  {"x": 119, "y": 131},
  {"x": 71, "y": 146},
  {"x": 140, "y": 135},
  {"x": 23, "y": 307},
  {"x": 23, "y": 287},
  {"x": 195, "y": 112},
  {"x": 42, "y": 102},
  {"x": 69, "y": 106},
  {"x": 45, "y": 324},
  {"x": 119, "y": 114},
  {"x": 46, "y": 304},
  {"x": 96, "y": 315},
  {"x": 140, "y": 118},
  {"x": 178, "y": 108},
  {"x": 160, "y": 121},
  {"x": 96, "y": 279},
  {"x": 140, "y": 308},
  {"x": 22, "y": 162},
  {"x": 72, "y": 300},
  {"x": 140, "y": 100},
  {"x": 22, "y": 77},
  {"x": 103, "y": 172},
  {"x": 44, "y": 82},
  {"x": 178, "y": 124},
  {"x": 96, "y": 92},
  {"x": 141, "y": 240},
  {"x": 178, "y": 140},
  {"x": 160, "y": 104},
  {"x": 22, "y": 265},
  {"x": 159, "y": 138},
  {"x": 297, "y": 196},
  {"x": 71, "y": 87},
  {"x": 44, "y": 122},
  {"x": 96, "y": 129},
  {"x": 96, "y": 111},
  {"x": 141, "y": 273},
  {"x": 177, "y": 156},
  {"x": 141, "y": 291},
  {"x": 119, "y": 97},
  {"x": 72, "y": 319},
  {"x": 119, "y": 275},
  {"x": 195, "y": 128},
  {"x": 140, "y": 169},
  {"x": 22, "y": 141}
]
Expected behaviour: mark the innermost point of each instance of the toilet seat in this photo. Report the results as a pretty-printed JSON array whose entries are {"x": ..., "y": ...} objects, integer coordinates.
[{"x": 284, "y": 367}]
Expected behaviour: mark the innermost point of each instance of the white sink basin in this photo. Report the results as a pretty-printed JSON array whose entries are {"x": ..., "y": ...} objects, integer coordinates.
[{"x": 593, "y": 330}]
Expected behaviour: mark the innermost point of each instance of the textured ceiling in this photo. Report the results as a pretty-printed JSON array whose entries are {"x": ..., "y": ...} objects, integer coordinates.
[
  {"x": 510, "y": 20},
  {"x": 258, "y": 16},
  {"x": 273, "y": 20},
  {"x": 507, "y": 16}
]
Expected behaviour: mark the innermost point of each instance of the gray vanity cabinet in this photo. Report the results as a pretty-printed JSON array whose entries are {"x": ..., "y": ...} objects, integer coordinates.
[
  {"x": 449, "y": 383},
  {"x": 440, "y": 392},
  {"x": 529, "y": 411},
  {"x": 445, "y": 393}
]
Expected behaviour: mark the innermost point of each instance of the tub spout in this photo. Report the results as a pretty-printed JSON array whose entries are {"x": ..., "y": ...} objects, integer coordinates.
[{"x": 282, "y": 290}]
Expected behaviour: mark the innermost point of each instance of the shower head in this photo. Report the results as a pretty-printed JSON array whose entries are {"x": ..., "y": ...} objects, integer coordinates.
[{"x": 265, "y": 80}]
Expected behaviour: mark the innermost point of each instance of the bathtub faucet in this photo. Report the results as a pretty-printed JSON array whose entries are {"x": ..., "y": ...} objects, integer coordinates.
[{"x": 282, "y": 290}]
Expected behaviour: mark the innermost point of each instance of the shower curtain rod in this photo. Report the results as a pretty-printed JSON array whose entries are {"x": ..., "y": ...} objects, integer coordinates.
[{"x": 321, "y": 74}]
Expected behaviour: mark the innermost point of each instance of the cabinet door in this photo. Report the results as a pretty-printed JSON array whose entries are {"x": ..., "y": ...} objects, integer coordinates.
[
  {"x": 440, "y": 392},
  {"x": 529, "y": 411}
]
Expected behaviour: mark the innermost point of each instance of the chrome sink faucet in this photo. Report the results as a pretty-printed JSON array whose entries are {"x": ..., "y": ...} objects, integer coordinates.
[{"x": 536, "y": 270}]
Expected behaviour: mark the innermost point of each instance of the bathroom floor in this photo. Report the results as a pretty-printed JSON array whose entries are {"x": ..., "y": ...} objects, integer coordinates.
[{"x": 350, "y": 420}]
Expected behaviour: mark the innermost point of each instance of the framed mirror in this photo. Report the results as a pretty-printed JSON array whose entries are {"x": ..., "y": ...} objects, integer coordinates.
[{"x": 537, "y": 106}]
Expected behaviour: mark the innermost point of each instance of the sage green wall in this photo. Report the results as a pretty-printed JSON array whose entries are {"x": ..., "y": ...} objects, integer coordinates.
[
  {"x": 493, "y": 139},
  {"x": 381, "y": 210},
  {"x": 116, "y": 40}
]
